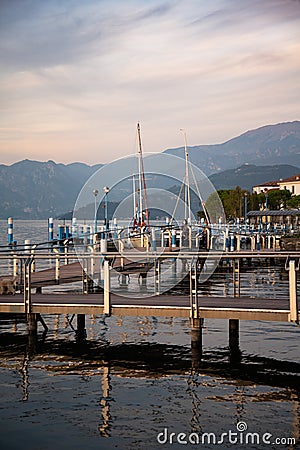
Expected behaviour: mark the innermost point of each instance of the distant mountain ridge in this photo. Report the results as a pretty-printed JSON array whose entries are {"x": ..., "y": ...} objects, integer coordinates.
[
  {"x": 249, "y": 175},
  {"x": 37, "y": 190},
  {"x": 34, "y": 190},
  {"x": 268, "y": 145}
]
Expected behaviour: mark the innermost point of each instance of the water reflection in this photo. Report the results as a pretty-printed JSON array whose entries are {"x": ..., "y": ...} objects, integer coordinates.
[
  {"x": 25, "y": 376},
  {"x": 105, "y": 424},
  {"x": 216, "y": 381}
]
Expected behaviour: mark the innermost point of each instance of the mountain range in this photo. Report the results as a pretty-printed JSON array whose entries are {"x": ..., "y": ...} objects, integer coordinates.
[
  {"x": 37, "y": 190},
  {"x": 268, "y": 145},
  {"x": 249, "y": 175}
]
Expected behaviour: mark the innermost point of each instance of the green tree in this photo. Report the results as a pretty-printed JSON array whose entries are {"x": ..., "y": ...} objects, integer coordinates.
[
  {"x": 232, "y": 200},
  {"x": 293, "y": 202},
  {"x": 278, "y": 198}
]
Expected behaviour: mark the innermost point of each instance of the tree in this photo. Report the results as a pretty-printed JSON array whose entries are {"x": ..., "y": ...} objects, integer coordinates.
[
  {"x": 293, "y": 202},
  {"x": 277, "y": 198},
  {"x": 232, "y": 200},
  {"x": 272, "y": 199}
]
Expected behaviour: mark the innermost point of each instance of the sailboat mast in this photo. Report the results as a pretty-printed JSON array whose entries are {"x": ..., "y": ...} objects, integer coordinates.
[
  {"x": 187, "y": 180},
  {"x": 134, "y": 197},
  {"x": 140, "y": 173}
]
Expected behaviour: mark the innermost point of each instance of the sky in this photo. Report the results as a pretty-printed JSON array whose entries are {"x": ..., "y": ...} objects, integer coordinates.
[{"x": 76, "y": 76}]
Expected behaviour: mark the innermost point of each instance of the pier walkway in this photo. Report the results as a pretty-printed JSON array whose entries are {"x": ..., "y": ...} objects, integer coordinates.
[
  {"x": 242, "y": 308},
  {"x": 194, "y": 305}
]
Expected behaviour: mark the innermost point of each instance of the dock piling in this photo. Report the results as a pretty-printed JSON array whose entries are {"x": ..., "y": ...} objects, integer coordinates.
[
  {"x": 32, "y": 332},
  {"x": 196, "y": 341},
  {"x": 32, "y": 323},
  {"x": 234, "y": 338},
  {"x": 81, "y": 331}
]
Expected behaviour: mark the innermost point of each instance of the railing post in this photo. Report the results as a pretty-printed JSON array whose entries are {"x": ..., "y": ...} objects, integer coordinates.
[
  {"x": 153, "y": 238},
  {"x": 208, "y": 237},
  {"x": 16, "y": 269},
  {"x": 195, "y": 320},
  {"x": 57, "y": 269},
  {"x": 194, "y": 292},
  {"x": 157, "y": 276},
  {"x": 107, "y": 306},
  {"x": 294, "y": 317},
  {"x": 33, "y": 260},
  {"x": 27, "y": 285},
  {"x": 190, "y": 236},
  {"x": 238, "y": 242},
  {"x": 253, "y": 239},
  {"x": 236, "y": 278},
  {"x": 87, "y": 281}
]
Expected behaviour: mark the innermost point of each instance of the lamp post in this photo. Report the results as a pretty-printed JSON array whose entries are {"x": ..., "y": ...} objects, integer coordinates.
[
  {"x": 267, "y": 207},
  {"x": 106, "y": 190},
  {"x": 95, "y": 192},
  {"x": 245, "y": 206}
]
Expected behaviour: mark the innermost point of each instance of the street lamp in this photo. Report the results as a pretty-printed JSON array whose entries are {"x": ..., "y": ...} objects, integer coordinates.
[
  {"x": 106, "y": 191},
  {"x": 245, "y": 206},
  {"x": 95, "y": 192}
]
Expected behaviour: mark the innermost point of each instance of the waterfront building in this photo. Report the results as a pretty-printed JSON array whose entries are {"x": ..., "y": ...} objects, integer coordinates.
[{"x": 291, "y": 184}]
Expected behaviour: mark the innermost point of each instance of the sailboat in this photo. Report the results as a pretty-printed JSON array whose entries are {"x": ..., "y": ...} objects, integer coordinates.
[{"x": 139, "y": 234}]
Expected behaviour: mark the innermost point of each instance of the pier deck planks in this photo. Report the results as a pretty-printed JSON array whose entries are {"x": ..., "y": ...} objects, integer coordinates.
[{"x": 244, "y": 308}]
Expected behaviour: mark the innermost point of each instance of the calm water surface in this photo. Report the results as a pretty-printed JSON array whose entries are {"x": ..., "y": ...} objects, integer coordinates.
[{"x": 134, "y": 379}]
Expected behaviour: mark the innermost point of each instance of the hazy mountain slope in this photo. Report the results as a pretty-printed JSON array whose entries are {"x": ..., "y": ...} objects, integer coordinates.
[
  {"x": 33, "y": 189},
  {"x": 249, "y": 175},
  {"x": 268, "y": 145}
]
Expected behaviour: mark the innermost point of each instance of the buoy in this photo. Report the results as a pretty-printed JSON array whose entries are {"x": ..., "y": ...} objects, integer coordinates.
[
  {"x": 50, "y": 229},
  {"x": 10, "y": 230}
]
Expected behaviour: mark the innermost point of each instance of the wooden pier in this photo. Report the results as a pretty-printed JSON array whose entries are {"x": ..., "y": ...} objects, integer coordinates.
[
  {"x": 243, "y": 308},
  {"x": 193, "y": 306},
  {"x": 34, "y": 304}
]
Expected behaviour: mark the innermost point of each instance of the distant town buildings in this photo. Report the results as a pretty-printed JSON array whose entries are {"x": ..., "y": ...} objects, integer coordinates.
[
  {"x": 291, "y": 184},
  {"x": 283, "y": 217}
]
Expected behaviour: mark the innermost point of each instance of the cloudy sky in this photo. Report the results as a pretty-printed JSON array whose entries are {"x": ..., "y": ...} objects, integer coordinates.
[{"x": 76, "y": 76}]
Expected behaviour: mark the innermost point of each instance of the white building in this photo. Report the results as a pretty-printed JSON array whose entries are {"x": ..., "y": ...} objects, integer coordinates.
[
  {"x": 291, "y": 184},
  {"x": 265, "y": 187}
]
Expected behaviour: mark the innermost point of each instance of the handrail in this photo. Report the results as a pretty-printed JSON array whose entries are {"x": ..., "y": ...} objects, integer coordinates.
[{"x": 164, "y": 254}]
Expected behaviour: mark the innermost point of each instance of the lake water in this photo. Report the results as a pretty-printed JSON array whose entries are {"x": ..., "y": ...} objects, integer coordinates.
[{"x": 133, "y": 383}]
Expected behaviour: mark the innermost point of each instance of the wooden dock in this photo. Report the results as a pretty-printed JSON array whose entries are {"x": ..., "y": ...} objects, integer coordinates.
[
  {"x": 194, "y": 306},
  {"x": 240, "y": 308}
]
